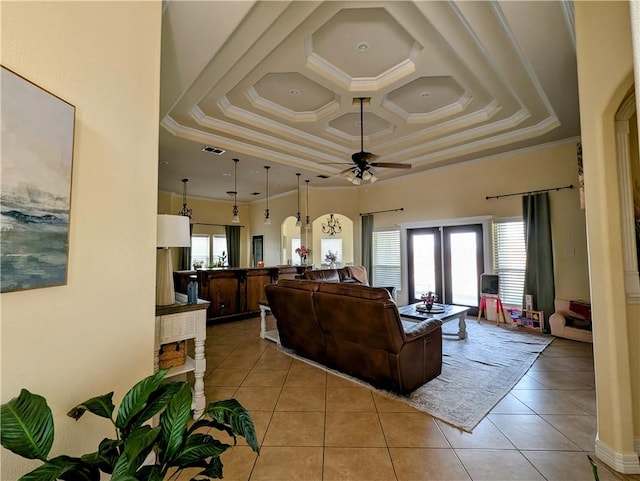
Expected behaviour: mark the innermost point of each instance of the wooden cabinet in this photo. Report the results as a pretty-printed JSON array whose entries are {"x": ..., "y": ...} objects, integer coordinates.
[{"x": 232, "y": 292}]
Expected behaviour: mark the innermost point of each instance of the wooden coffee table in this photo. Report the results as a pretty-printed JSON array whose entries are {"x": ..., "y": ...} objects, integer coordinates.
[{"x": 450, "y": 313}]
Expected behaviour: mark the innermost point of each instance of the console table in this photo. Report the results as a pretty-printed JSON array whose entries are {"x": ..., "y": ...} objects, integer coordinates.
[{"x": 179, "y": 322}]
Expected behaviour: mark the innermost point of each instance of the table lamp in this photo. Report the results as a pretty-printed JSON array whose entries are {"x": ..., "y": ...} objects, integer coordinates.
[{"x": 173, "y": 231}]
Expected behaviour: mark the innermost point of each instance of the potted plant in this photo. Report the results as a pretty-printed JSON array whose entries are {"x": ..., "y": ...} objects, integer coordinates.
[{"x": 139, "y": 452}]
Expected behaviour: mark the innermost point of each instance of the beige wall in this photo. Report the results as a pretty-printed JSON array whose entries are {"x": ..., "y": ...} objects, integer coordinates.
[
  {"x": 94, "y": 334},
  {"x": 605, "y": 63},
  {"x": 458, "y": 192}
]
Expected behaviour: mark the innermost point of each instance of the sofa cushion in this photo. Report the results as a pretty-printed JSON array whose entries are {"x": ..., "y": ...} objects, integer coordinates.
[
  {"x": 302, "y": 284},
  {"x": 323, "y": 275},
  {"x": 356, "y": 290}
]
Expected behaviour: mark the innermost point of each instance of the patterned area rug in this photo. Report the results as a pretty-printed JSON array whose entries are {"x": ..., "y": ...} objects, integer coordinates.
[{"x": 477, "y": 372}]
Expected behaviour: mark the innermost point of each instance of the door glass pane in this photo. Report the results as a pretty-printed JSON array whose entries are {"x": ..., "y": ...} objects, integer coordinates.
[
  {"x": 464, "y": 269},
  {"x": 424, "y": 269}
]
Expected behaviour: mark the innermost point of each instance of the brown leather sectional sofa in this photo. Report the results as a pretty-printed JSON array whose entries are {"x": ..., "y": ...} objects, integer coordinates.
[{"x": 357, "y": 330}]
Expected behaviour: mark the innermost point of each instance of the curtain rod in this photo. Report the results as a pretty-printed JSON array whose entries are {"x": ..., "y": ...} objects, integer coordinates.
[
  {"x": 381, "y": 211},
  {"x": 570, "y": 186},
  {"x": 219, "y": 225}
]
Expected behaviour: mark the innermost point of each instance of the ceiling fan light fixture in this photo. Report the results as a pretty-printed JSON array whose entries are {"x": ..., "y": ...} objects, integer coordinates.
[
  {"x": 372, "y": 179},
  {"x": 366, "y": 175},
  {"x": 357, "y": 181},
  {"x": 350, "y": 175}
]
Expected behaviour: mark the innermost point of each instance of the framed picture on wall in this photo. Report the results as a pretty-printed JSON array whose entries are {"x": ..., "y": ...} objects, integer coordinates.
[{"x": 35, "y": 184}]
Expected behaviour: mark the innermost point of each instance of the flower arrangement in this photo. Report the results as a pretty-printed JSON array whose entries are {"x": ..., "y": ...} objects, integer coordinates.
[
  {"x": 302, "y": 251},
  {"x": 429, "y": 298},
  {"x": 331, "y": 257},
  {"x": 198, "y": 264}
]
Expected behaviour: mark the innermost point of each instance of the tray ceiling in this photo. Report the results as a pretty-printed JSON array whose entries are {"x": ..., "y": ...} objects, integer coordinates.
[{"x": 277, "y": 83}]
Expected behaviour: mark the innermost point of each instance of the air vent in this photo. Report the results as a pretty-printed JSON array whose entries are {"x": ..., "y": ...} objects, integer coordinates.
[
  {"x": 322, "y": 176},
  {"x": 213, "y": 150}
]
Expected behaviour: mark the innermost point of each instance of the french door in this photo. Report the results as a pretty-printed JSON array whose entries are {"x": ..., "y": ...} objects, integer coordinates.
[{"x": 448, "y": 261}]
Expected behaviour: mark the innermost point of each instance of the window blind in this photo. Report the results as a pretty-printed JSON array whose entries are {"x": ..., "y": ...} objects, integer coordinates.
[
  {"x": 386, "y": 259},
  {"x": 509, "y": 260}
]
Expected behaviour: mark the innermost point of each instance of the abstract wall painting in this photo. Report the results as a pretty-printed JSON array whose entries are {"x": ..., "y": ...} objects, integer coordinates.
[{"x": 36, "y": 148}]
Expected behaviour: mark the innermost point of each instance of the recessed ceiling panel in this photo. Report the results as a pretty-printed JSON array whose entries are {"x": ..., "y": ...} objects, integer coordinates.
[
  {"x": 363, "y": 42},
  {"x": 294, "y": 91},
  {"x": 426, "y": 94},
  {"x": 349, "y": 124}
]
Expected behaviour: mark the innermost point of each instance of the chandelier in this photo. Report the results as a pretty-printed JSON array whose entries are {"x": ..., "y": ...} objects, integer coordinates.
[
  {"x": 185, "y": 211},
  {"x": 332, "y": 227}
]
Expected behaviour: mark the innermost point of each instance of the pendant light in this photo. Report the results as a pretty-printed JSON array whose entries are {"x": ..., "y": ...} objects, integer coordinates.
[
  {"x": 235, "y": 219},
  {"x": 298, "y": 220},
  {"x": 307, "y": 221},
  {"x": 185, "y": 211},
  {"x": 267, "y": 220}
]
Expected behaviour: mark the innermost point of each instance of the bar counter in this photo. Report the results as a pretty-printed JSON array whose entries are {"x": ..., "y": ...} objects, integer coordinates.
[{"x": 233, "y": 292}]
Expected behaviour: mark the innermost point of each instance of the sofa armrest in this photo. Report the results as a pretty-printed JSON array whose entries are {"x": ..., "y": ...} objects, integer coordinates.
[{"x": 420, "y": 329}]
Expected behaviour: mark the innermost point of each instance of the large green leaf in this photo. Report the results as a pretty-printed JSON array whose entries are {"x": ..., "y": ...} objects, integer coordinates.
[
  {"x": 106, "y": 456},
  {"x": 232, "y": 413},
  {"x": 197, "y": 448},
  {"x": 136, "y": 399},
  {"x": 27, "y": 426},
  {"x": 138, "y": 445},
  {"x": 100, "y": 406},
  {"x": 157, "y": 401},
  {"x": 214, "y": 470},
  {"x": 173, "y": 422},
  {"x": 150, "y": 473},
  {"x": 65, "y": 468}
]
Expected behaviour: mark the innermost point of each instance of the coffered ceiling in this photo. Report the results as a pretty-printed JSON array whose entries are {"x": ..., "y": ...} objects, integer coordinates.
[{"x": 278, "y": 83}]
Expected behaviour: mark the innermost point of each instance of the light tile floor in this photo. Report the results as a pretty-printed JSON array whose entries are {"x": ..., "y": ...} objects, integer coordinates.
[{"x": 313, "y": 425}]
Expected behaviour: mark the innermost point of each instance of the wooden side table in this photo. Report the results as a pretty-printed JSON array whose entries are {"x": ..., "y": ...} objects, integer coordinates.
[{"x": 179, "y": 322}]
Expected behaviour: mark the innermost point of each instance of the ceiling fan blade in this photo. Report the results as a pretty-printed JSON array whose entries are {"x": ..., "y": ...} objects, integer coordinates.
[{"x": 390, "y": 165}]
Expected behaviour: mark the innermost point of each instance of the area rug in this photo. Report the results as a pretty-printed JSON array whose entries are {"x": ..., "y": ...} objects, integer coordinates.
[{"x": 477, "y": 372}]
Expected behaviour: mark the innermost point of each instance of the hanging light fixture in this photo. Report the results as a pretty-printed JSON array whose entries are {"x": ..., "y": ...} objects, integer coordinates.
[
  {"x": 267, "y": 220},
  {"x": 298, "y": 220},
  {"x": 307, "y": 221},
  {"x": 185, "y": 211},
  {"x": 235, "y": 219},
  {"x": 332, "y": 227}
]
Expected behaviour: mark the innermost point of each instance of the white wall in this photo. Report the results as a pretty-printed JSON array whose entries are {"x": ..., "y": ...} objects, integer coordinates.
[{"x": 94, "y": 334}]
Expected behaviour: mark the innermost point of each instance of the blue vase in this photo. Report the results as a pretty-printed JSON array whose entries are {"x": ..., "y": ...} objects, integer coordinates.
[{"x": 192, "y": 292}]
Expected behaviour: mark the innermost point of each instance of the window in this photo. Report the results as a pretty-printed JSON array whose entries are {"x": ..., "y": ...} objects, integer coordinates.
[
  {"x": 208, "y": 249},
  {"x": 295, "y": 244},
  {"x": 386, "y": 259},
  {"x": 219, "y": 249},
  {"x": 332, "y": 244},
  {"x": 200, "y": 249},
  {"x": 509, "y": 260}
]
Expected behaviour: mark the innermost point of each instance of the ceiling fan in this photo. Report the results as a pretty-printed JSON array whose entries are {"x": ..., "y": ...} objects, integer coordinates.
[{"x": 362, "y": 169}]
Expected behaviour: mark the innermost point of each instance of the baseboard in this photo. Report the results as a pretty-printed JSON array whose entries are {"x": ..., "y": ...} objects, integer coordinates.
[{"x": 626, "y": 463}]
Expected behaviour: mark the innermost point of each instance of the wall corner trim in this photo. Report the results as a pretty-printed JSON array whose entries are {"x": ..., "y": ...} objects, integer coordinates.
[{"x": 627, "y": 463}]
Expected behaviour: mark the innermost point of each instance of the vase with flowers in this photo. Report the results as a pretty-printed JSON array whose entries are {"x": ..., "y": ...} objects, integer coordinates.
[
  {"x": 303, "y": 252},
  {"x": 429, "y": 300},
  {"x": 331, "y": 258}
]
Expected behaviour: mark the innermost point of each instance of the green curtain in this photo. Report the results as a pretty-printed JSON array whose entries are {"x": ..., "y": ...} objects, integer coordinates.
[
  {"x": 367, "y": 243},
  {"x": 233, "y": 244},
  {"x": 539, "y": 279},
  {"x": 185, "y": 254}
]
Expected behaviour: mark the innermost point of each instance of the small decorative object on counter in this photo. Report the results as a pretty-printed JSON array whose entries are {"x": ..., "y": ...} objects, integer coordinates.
[
  {"x": 192, "y": 292},
  {"x": 331, "y": 258}
]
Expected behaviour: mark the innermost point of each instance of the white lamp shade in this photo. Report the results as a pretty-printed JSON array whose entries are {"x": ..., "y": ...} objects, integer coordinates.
[{"x": 173, "y": 231}]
